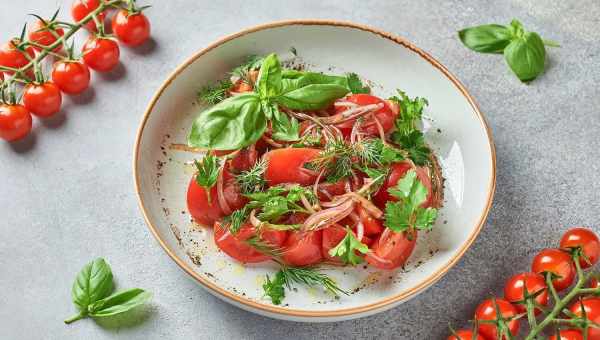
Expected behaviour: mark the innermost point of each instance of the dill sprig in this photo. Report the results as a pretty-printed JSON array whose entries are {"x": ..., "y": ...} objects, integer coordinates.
[
  {"x": 237, "y": 218},
  {"x": 264, "y": 247},
  {"x": 214, "y": 94},
  {"x": 310, "y": 277},
  {"x": 253, "y": 180}
]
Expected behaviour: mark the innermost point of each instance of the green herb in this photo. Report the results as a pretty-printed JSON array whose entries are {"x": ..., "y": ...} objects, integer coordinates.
[
  {"x": 208, "y": 171},
  {"x": 92, "y": 289},
  {"x": 311, "y": 97},
  {"x": 268, "y": 84},
  {"x": 293, "y": 80},
  {"x": 284, "y": 128},
  {"x": 407, "y": 213},
  {"x": 411, "y": 111},
  {"x": 253, "y": 180},
  {"x": 264, "y": 247},
  {"x": 216, "y": 93},
  {"x": 275, "y": 289},
  {"x": 355, "y": 84},
  {"x": 308, "y": 140},
  {"x": 237, "y": 218},
  {"x": 524, "y": 51},
  {"x": 275, "y": 204},
  {"x": 347, "y": 248},
  {"x": 253, "y": 62},
  {"x": 414, "y": 144}
]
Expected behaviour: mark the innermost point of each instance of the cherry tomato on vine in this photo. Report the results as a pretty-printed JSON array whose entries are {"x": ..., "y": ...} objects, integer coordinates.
[
  {"x": 487, "y": 311},
  {"x": 132, "y": 29},
  {"x": 15, "y": 122},
  {"x": 101, "y": 54},
  {"x": 594, "y": 283},
  {"x": 42, "y": 100},
  {"x": 591, "y": 306},
  {"x": 81, "y": 8},
  {"x": 587, "y": 240},
  {"x": 557, "y": 262},
  {"x": 514, "y": 290},
  {"x": 72, "y": 77},
  {"x": 465, "y": 334},
  {"x": 12, "y": 57},
  {"x": 568, "y": 334},
  {"x": 44, "y": 35}
]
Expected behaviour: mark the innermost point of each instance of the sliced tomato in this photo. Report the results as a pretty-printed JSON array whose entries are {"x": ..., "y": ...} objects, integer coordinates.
[
  {"x": 235, "y": 245},
  {"x": 327, "y": 190},
  {"x": 372, "y": 225},
  {"x": 392, "y": 249},
  {"x": 276, "y": 238},
  {"x": 398, "y": 170},
  {"x": 303, "y": 249},
  {"x": 244, "y": 160},
  {"x": 386, "y": 115},
  {"x": 287, "y": 166},
  {"x": 332, "y": 236}
]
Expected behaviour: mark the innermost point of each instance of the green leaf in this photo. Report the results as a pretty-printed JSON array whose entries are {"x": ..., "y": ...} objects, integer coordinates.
[
  {"x": 390, "y": 154},
  {"x": 208, "y": 171},
  {"x": 237, "y": 218},
  {"x": 355, "y": 84},
  {"x": 232, "y": 124},
  {"x": 264, "y": 196},
  {"x": 293, "y": 80},
  {"x": 274, "y": 208},
  {"x": 347, "y": 248},
  {"x": 284, "y": 128},
  {"x": 411, "y": 111},
  {"x": 275, "y": 289},
  {"x": 269, "y": 83},
  {"x": 414, "y": 144},
  {"x": 312, "y": 97},
  {"x": 119, "y": 302},
  {"x": 526, "y": 56},
  {"x": 425, "y": 218},
  {"x": 397, "y": 216},
  {"x": 94, "y": 282},
  {"x": 491, "y": 38}
]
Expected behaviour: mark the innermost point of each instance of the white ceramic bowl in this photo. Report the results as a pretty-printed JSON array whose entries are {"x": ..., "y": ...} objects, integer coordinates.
[{"x": 464, "y": 147}]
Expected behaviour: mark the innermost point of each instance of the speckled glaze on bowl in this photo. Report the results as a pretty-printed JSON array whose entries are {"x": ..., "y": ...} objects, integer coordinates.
[{"x": 454, "y": 127}]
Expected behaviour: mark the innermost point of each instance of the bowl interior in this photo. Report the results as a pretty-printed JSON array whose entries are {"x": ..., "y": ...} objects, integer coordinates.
[{"x": 454, "y": 128}]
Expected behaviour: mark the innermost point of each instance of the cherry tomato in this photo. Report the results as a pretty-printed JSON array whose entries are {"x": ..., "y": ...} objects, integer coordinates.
[
  {"x": 557, "y": 262},
  {"x": 587, "y": 240},
  {"x": 464, "y": 334},
  {"x": 392, "y": 249},
  {"x": 398, "y": 170},
  {"x": 487, "y": 311},
  {"x": 332, "y": 236},
  {"x": 42, "y": 34},
  {"x": 101, "y": 54},
  {"x": 81, "y": 8},
  {"x": 243, "y": 160},
  {"x": 72, "y": 77},
  {"x": 287, "y": 166},
  {"x": 514, "y": 290},
  {"x": 235, "y": 245},
  {"x": 568, "y": 334},
  {"x": 385, "y": 115},
  {"x": 10, "y": 56},
  {"x": 15, "y": 122},
  {"x": 372, "y": 225},
  {"x": 303, "y": 249},
  {"x": 275, "y": 238},
  {"x": 591, "y": 305},
  {"x": 132, "y": 29},
  {"x": 594, "y": 283},
  {"x": 42, "y": 100},
  {"x": 326, "y": 190}
]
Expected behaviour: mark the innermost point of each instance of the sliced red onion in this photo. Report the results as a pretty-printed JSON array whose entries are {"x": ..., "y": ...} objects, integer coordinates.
[
  {"x": 360, "y": 230},
  {"x": 327, "y": 217},
  {"x": 225, "y": 208}
]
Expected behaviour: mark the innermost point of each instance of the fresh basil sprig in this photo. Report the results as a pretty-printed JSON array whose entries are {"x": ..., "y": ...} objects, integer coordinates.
[
  {"x": 524, "y": 51},
  {"x": 92, "y": 290},
  {"x": 239, "y": 121}
]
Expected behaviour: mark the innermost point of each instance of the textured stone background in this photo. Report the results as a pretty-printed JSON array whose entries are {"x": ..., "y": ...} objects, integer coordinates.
[{"x": 67, "y": 193}]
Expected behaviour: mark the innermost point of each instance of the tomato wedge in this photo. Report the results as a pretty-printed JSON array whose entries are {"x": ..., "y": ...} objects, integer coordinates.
[
  {"x": 392, "y": 249},
  {"x": 235, "y": 245},
  {"x": 386, "y": 115},
  {"x": 332, "y": 236},
  {"x": 398, "y": 170},
  {"x": 287, "y": 166},
  {"x": 372, "y": 225},
  {"x": 303, "y": 249}
]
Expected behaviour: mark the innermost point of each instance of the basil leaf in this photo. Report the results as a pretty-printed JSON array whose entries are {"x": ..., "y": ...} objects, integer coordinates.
[
  {"x": 94, "y": 282},
  {"x": 491, "y": 38},
  {"x": 232, "y": 124},
  {"x": 526, "y": 56},
  {"x": 284, "y": 128},
  {"x": 119, "y": 302},
  {"x": 312, "y": 97},
  {"x": 297, "y": 79},
  {"x": 268, "y": 83}
]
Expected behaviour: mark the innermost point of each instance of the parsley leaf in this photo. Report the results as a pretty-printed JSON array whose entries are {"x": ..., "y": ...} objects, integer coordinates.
[
  {"x": 275, "y": 289},
  {"x": 411, "y": 112},
  {"x": 208, "y": 171},
  {"x": 407, "y": 213},
  {"x": 275, "y": 203},
  {"x": 356, "y": 85},
  {"x": 252, "y": 180},
  {"x": 213, "y": 94},
  {"x": 414, "y": 144},
  {"x": 346, "y": 249}
]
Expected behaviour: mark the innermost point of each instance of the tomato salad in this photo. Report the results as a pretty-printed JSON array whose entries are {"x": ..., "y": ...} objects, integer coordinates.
[{"x": 304, "y": 168}]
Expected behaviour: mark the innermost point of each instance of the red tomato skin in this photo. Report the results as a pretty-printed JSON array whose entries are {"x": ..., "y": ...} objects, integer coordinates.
[
  {"x": 486, "y": 311},
  {"x": 514, "y": 290},
  {"x": 391, "y": 250},
  {"x": 372, "y": 225},
  {"x": 81, "y": 8},
  {"x": 591, "y": 305},
  {"x": 557, "y": 262},
  {"x": 587, "y": 240},
  {"x": 568, "y": 334},
  {"x": 235, "y": 245},
  {"x": 594, "y": 283},
  {"x": 131, "y": 29},
  {"x": 326, "y": 190},
  {"x": 303, "y": 249},
  {"x": 204, "y": 212},
  {"x": 43, "y": 100},
  {"x": 287, "y": 166},
  {"x": 101, "y": 54},
  {"x": 244, "y": 160},
  {"x": 42, "y": 35},
  {"x": 398, "y": 170},
  {"x": 71, "y": 77},
  {"x": 275, "y": 238},
  {"x": 465, "y": 334},
  {"x": 15, "y": 122},
  {"x": 10, "y": 56},
  {"x": 332, "y": 236},
  {"x": 385, "y": 115}
]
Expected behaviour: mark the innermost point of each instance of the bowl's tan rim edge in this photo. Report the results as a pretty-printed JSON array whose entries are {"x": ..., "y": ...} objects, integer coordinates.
[{"x": 332, "y": 313}]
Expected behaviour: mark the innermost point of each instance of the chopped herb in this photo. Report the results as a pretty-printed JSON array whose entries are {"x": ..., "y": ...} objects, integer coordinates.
[
  {"x": 213, "y": 94},
  {"x": 411, "y": 113},
  {"x": 264, "y": 247},
  {"x": 347, "y": 248},
  {"x": 275, "y": 289},
  {"x": 252, "y": 180},
  {"x": 237, "y": 218},
  {"x": 307, "y": 141},
  {"x": 208, "y": 172},
  {"x": 356, "y": 85}
]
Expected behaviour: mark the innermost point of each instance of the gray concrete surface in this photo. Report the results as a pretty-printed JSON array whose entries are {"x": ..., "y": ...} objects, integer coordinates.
[{"x": 66, "y": 194}]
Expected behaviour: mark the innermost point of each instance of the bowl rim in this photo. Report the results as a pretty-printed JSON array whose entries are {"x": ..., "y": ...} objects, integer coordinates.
[{"x": 379, "y": 305}]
